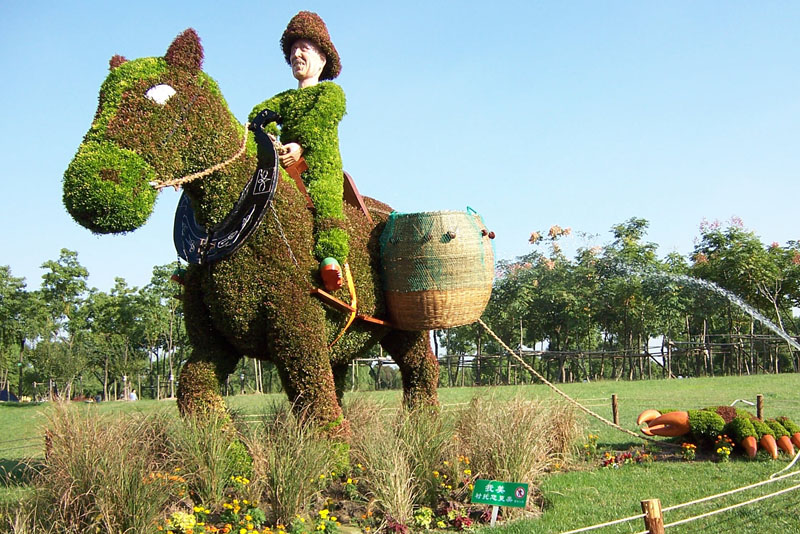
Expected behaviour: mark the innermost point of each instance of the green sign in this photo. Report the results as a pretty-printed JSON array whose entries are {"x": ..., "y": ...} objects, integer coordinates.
[{"x": 500, "y": 493}]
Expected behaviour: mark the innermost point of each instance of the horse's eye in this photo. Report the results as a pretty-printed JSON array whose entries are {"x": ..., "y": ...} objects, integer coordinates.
[{"x": 160, "y": 93}]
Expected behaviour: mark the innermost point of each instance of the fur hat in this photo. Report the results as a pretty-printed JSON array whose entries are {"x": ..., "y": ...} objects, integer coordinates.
[{"x": 308, "y": 25}]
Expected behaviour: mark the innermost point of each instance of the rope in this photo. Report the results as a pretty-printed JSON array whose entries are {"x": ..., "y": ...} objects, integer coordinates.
[
  {"x": 158, "y": 185},
  {"x": 283, "y": 236},
  {"x": 794, "y": 461},
  {"x": 729, "y": 492},
  {"x": 20, "y": 447},
  {"x": 601, "y": 525},
  {"x": 17, "y": 440},
  {"x": 727, "y": 508},
  {"x": 564, "y": 395},
  {"x": 697, "y": 501}
]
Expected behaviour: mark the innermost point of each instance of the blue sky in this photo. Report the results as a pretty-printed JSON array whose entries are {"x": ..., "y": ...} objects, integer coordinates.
[{"x": 582, "y": 114}]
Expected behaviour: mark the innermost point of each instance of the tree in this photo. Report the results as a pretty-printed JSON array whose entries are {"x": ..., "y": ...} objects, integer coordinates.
[
  {"x": 163, "y": 326},
  {"x": 59, "y": 356},
  {"x": 735, "y": 259}
]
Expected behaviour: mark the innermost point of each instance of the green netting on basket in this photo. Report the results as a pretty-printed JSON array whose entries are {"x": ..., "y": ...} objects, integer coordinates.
[{"x": 436, "y": 251}]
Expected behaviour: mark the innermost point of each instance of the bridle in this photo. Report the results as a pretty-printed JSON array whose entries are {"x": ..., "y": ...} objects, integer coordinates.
[{"x": 200, "y": 245}]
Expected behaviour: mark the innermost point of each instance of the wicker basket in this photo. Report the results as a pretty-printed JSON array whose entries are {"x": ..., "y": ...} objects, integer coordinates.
[{"x": 438, "y": 269}]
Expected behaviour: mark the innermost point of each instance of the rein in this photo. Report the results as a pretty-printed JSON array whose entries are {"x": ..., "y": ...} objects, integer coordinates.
[
  {"x": 177, "y": 182},
  {"x": 200, "y": 245}
]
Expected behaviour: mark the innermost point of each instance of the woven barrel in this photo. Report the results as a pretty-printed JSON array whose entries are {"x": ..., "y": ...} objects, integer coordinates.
[{"x": 438, "y": 269}]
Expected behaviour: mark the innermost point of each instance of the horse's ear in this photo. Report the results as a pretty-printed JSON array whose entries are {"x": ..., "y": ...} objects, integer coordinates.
[
  {"x": 116, "y": 61},
  {"x": 186, "y": 51}
]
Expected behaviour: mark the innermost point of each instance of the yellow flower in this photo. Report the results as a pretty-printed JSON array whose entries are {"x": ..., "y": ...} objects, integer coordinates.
[
  {"x": 467, "y": 471},
  {"x": 248, "y": 517},
  {"x": 324, "y": 513},
  {"x": 242, "y": 530},
  {"x": 436, "y": 474},
  {"x": 333, "y": 518},
  {"x": 349, "y": 480},
  {"x": 322, "y": 477}
]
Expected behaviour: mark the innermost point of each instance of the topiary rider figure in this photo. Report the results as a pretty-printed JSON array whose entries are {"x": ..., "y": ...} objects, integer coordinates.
[{"x": 309, "y": 119}]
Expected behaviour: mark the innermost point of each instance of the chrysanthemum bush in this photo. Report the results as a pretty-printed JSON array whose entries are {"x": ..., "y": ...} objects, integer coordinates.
[{"x": 400, "y": 471}]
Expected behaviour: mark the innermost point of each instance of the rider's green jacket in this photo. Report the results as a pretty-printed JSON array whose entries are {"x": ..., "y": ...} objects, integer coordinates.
[{"x": 310, "y": 116}]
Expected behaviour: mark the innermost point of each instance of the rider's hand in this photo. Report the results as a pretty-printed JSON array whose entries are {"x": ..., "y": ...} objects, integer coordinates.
[{"x": 291, "y": 154}]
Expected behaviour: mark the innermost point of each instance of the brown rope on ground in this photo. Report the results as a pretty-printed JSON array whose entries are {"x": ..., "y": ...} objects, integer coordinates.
[
  {"x": 177, "y": 182},
  {"x": 567, "y": 397}
]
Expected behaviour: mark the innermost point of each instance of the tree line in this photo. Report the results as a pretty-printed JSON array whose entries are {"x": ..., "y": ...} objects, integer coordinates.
[
  {"x": 616, "y": 299},
  {"x": 605, "y": 304},
  {"x": 66, "y": 339}
]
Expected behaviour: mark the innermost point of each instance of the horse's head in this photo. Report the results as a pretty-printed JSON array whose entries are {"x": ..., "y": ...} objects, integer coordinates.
[{"x": 158, "y": 118}]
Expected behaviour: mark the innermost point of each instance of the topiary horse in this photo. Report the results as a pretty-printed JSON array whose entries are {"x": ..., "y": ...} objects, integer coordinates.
[{"x": 162, "y": 118}]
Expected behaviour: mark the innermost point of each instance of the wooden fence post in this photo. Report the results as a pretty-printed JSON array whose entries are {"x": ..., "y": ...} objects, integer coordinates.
[
  {"x": 653, "y": 518},
  {"x": 760, "y": 407},
  {"x": 615, "y": 409}
]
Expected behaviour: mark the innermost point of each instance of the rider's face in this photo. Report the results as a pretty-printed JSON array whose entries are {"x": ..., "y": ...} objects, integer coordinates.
[{"x": 307, "y": 62}]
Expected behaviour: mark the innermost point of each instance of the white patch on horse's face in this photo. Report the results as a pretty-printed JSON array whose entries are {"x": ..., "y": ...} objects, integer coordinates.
[{"x": 160, "y": 93}]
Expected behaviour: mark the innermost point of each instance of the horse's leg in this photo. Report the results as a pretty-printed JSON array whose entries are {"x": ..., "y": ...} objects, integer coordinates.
[
  {"x": 418, "y": 366},
  {"x": 212, "y": 360},
  {"x": 340, "y": 372}
]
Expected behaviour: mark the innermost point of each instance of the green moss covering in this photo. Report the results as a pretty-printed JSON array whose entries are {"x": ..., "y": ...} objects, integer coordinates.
[
  {"x": 310, "y": 117},
  {"x": 789, "y": 425},
  {"x": 121, "y": 79},
  {"x": 739, "y": 428},
  {"x": 105, "y": 188},
  {"x": 778, "y": 430},
  {"x": 198, "y": 390},
  {"x": 255, "y": 302},
  {"x": 705, "y": 425},
  {"x": 762, "y": 429}
]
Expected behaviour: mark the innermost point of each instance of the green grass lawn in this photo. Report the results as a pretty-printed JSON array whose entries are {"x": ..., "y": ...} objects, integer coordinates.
[{"x": 572, "y": 499}]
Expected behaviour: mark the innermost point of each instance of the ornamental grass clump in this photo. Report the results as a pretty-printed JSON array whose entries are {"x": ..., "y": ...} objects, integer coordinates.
[
  {"x": 95, "y": 476},
  {"x": 395, "y": 456},
  {"x": 516, "y": 440},
  {"x": 291, "y": 460},
  {"x": 210, "y": 453}
]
